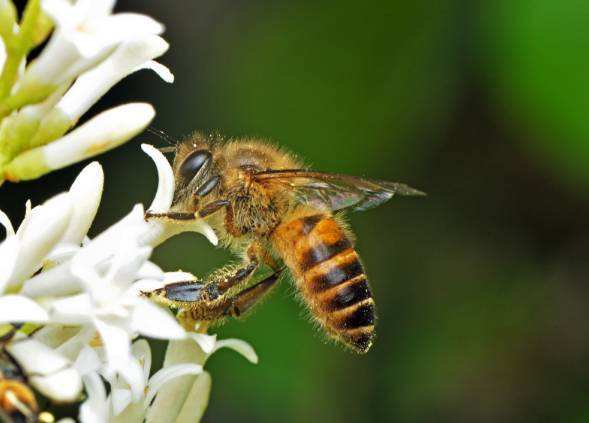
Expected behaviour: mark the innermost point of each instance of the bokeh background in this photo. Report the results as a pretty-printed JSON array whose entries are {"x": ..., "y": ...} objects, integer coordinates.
[{"x": 482, "y": 287}]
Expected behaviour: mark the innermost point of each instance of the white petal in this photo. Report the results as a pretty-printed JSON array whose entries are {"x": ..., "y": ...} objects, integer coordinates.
[
  {"x": 132, "y": 373},
  {"x": 60, "y": 11},
  {"x": 87, "y": 361},
  {"x": 165, "y": 186},
  {"x": 95, "y": 408},
  {"x": 9, "y": 252},
  {"x": 26, "y": 220},
  {"x": 45, "y": 228},
  {"x": 74, "y": 309},
  {"x": 120, "y": 399},
  {"x": 57, "y": 281},
  {"x": 5, "y": 221},
  {"x": 134, "y": 413},
  {"x": 62, "y": 252},
  {"x": 155, "y": 322},
  {"x": 123, "y": 26},
  {"x": 166, "y": 374},
  {"x": 103, "y": 132},
  {"x": 171, "y": 397},
  {"x": 94, "y": 83},
  {"x": 55, "y": 335},
  {"x": 73, "y": 346},
  {"x": 141, "y": 350},
  {"x": 16, "y": 308},
  {"x": 92, "y": 9},
  {"x": 86, "y": 192},
  {"x": 150, "y": 270},
  {"x": 36, "y": 358},
  {"x": 179, "y": 276},
  {"x": 205, "y": 342},
  {"x": 196, "y": 401},
  {"x": 161, "y": 70},
  {"x": 240, "y": 346},
  {"x": 116, "y": 343},
  {"x": 63, "y": 386},
  {"x": 146, "y": 285}
]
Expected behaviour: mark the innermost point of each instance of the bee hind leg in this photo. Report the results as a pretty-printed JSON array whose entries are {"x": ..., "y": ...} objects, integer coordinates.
[{"x": 247, "y": 298}]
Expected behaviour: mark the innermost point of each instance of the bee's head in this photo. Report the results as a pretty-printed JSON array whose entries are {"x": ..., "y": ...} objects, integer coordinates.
[{"x": 195, "y": 171}]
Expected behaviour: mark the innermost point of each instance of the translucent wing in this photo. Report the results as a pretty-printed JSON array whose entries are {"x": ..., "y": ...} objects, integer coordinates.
[{"x": 335, "y": 191}]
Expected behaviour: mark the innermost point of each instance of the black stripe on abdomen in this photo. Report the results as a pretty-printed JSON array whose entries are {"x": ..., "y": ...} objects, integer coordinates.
[
  {"x": 321, "y": 252},
  {"x": 363, "y": 315},
  {"x": 346, "y": 295},
  {"x": 337, "y": 274}
]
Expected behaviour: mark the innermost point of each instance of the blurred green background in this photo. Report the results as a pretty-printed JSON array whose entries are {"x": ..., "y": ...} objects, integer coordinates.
[{"x": 482, "y": 287}]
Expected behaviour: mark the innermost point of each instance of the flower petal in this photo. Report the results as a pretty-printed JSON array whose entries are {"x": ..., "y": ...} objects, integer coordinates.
[
  {"x": 142, "y": 351},
  {"x": 196, "y": 401},
  {"x": 94, "y": 83},
  {"x": 205, "y": 342},
  {"x": 73, "y": 309},
  {"x": 35, "y": 357},
  {"x": 165, "y": 186},
  {"x": 172, "y": 396},
  {"x": 120, "y": 399},
  {"x": 5, "y": 221},
  {"x": 87, "y": 362},
  {"x": 166, "y": 374},
  {"x": 132, "y": 373},
  {"x": 116, "y": 344},
  {"x": 103, "y": 132},
  {"x": 56, "y": 281},
  {"x": 16, "y": 308},
  {"x": 86, "y": 192},
  {"x": 62, "y": 386},
  {"x": 45, "y": 228},
  {"x": 155, "y": 322},
  {"x": 240, "y": 346},
  {"x": 161, "y": 70},
  {"x": 8, "y": 252},
  {"x": 95, "y": 408}
]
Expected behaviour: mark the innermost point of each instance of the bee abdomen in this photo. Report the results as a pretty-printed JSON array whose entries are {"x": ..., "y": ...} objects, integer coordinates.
[{"x": 332, "y": 279}]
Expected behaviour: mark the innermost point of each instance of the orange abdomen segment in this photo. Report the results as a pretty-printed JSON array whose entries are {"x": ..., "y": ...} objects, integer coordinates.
[{"x": 330, "y": 277}]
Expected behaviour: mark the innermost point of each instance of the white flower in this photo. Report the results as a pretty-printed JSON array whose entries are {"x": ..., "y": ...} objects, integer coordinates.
[
  {"x": 86, "y": 32},
  {"x": 90, "y": 50},
  {"x": 130, "y": 56},
  {"x": 186, "y": 399}
]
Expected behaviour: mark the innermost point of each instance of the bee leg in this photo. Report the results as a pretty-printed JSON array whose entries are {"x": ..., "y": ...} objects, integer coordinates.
[
  {"x": 201, "y": 300},
  {"x": 202, "y": 213},
  {"x": 246, "y": 299},
  {"x": 149, "y": 215}
]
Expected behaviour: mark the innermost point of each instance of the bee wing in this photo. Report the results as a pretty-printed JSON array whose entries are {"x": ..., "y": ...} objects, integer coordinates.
[{"x": 335, "y": 191}]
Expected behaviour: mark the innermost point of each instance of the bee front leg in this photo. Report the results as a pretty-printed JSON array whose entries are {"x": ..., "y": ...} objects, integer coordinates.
[{"x": 183, "y": 216}]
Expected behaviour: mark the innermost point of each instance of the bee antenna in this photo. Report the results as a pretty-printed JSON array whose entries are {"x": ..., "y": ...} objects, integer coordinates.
[{"x": 162, "y": 135}]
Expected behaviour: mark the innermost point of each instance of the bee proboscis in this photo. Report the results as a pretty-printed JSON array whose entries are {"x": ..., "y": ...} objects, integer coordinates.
[{"x": 264, "y": 205}]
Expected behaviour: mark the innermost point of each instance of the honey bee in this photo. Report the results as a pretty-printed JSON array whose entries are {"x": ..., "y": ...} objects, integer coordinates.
[{"x": 265, "y": 205}]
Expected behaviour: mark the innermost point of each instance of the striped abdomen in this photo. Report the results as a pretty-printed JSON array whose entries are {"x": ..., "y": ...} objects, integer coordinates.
[{"x": 330, "y": 277}]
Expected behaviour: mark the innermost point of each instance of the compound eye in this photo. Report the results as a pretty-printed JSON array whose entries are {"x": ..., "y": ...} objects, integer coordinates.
[{"x": 193, "y": 163}]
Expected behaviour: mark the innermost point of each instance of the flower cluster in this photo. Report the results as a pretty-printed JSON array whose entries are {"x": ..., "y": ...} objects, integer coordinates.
[
  {"x": 71, "y": 310},
  {"x": 89, "y": 50},
  {"x": 80, "y": 299}
]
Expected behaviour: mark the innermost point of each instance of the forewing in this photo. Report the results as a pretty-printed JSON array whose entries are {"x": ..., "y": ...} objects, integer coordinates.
[{"x": 336, "y": 191}]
